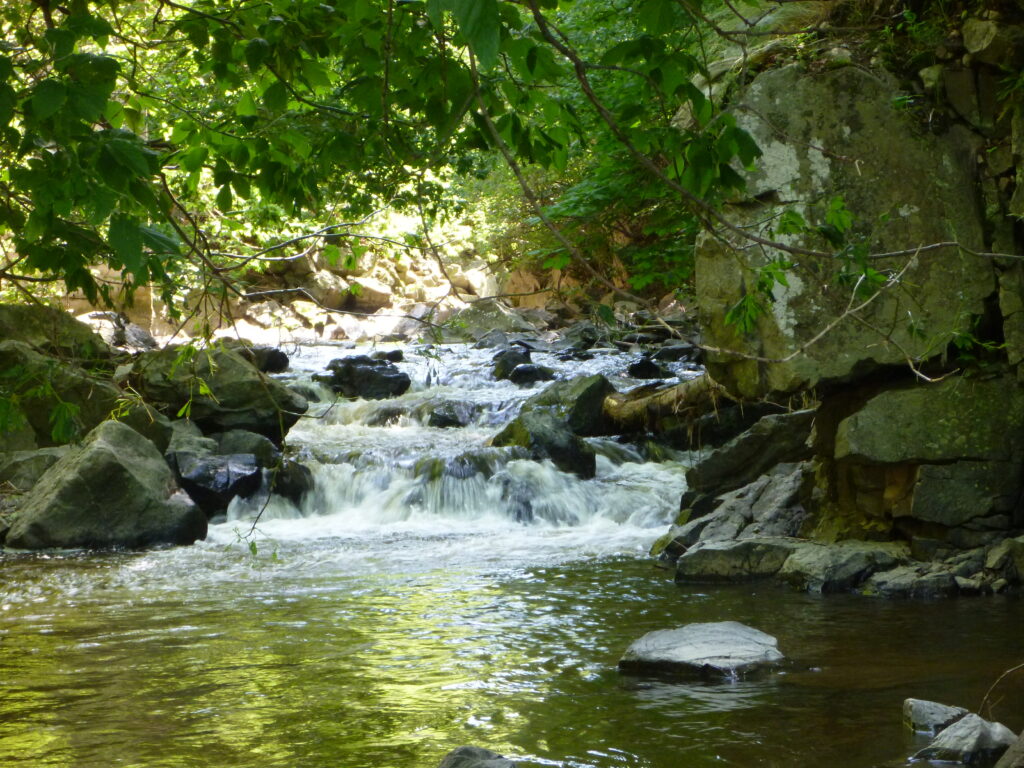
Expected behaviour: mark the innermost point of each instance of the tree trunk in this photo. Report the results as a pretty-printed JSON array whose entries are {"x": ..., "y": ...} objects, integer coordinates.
[{"x": 642, "y": 409}]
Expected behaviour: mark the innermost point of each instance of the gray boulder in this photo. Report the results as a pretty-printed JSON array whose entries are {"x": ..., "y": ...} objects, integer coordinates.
[
  {"x": 732, "y": 561},
  {"x": 364, "y": 377},
  {"x": 546, "y": 436},
  {"x": 841, "y": 566},
  {"x": 474, "y": 757},
  {"x": 710, "y": 650},
  {"x": 51, "y": 331},
  {"x": 113, "y": 490},
  {"x": 839, "y": 133},
  {"x": 482, "y": 317},
  {"x": 925, "y": 580},
  {"x": 923, "y": 716},
  {"x": 237, "y": 441},
  {"x": 579, "y": 402},
  {"x": 971, "y": 740},
  {"x": 526, "y": 374},
  {"x": 218, "y": 389},
  {"x": 22, "y": 469}
]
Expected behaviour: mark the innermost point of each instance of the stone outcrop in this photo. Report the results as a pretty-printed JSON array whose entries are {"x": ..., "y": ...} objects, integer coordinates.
[
  {"x": 837, "y": 133},
  {"x": 114, "y": 490},
  {"x": 709, "y": 650}
]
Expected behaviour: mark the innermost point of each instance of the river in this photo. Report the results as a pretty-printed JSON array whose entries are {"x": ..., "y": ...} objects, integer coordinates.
[{"x": 415, "y": 604}]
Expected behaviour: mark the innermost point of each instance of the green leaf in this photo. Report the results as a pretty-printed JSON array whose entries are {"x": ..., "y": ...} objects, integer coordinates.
[
  {"x": 131, "y": 155},
  {"x": 246, "y": 106},
  {"x": 275, "y": 97},
  {"x": 48, "y": 97},
  {"x": 332, "y": 254},
  {"x": 125, "y": 239},
  {"x": 224, "y": 199},
  {"x": 479, "y": 23},
  {"x": 159, "y": 242},
  {"x": 256, "y": 52}
]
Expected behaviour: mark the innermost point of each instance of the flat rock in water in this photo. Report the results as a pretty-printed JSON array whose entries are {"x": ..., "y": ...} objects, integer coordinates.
[
  {"x": 929, "y": 716},
  {"x": 715, "y": 649},
  {"x": 971, "y": 740},
  {"x": 474, "y": 757}
]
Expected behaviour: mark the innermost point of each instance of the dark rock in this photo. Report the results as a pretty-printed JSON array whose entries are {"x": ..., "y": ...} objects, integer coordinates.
[
  {"x": 364, "y": 377},
  {"x": 711, "y": 650},
  {"x": 548, "y": 437},
  {"x": 292, "y": 480},
  {"x": 238, "y": 441},
  {"x": 920, "y": 581},
  {"x": 772, "y": 440},
  {"x": 474, "y": 757},
  {"x": 579, "y": 402},
  {"x": 267, "y": 359},
  {"x": 506, "y": 361},
  {"x": 579, "y": 337},
  {"x": 733, "y": 561},
  {"x": 391, "y": 355},
  {"x": 492, "y": 340},
  {"x": 970, "y": 741},
  {"x": 931, "y": 717},
  {"x": 841, "y": 566},
  {"x": 113, "y": 490},
  {"x": 118, "y": 331},
  {"x": 1006, "y": 560},
  {"x": 674, "y": 352},
  {"x": 451, "y": 414},
  {"x": 186, "y": 437},
  {"x": 213, "y": 481},
  {"x": 150, "y": 423},
  {"x": 645, "y": 368},
  {"x": 22, "y": 469},
  {"x": 239, "y": 396},
  {"x": 528, "y": 373}
]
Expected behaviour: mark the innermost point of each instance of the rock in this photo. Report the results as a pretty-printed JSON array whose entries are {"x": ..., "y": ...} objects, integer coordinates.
[
  {"x": 732, "y": 561},
  {"x": 293, "y": 481},
  {"x": 507, "y": 360},
  {"x": 928, "y": 716},
  {"x": 719, "y": 426},
  {"x": 484, "y": 316},
  {"x": 241, "y": 441},
  {"x": 43, "y": 384},
  {"x": 451, "y": 414},
  {"x": 22, "y": 469},
  {"x": 213, "y": 481},
  {"x": 548, "y": 437},
  {"x": 117, "y": 330},
  {"x": 841, "y": 566},
  {"x": 51, "y": 331},
  {"x": 964, "y": 491},
  {"x": 266, "y": 359},
  {"x": 391, "y": 355},
  {"x": 474, "y": 757},
  {"x": 369, "y": 294},
  {"x": 186, "y": 437},
  {"x": 361, "y": 376},
  {"x": 994, "y": 43},
  {"x": 674, "y": 352},
  {"x": 148, "y": 422},
  {"x": 970, "y": 741},
  {"x": 328, "y": 289},
  {"x": 528, "y": 373},
  {"x": 579, "y": 402},
  {"x": 803, "y": 123},
  {"x": 711, "y": 650},
  {"x": 239, "y": 396},
  {"x": 1007, "y": 559},
  {"x": 772, "y": 440},
  {"x": 113, "y": 490},
  {"x": 957, "y": 419},
  {"x": 920, "y": 581},
  {"x": 645, "y": 368}
]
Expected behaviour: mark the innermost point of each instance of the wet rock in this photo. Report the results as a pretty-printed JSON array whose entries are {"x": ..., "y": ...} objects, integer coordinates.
[
  {"x": 474, "y": 757},
  {"x": 213, "y": 481},
  {"x": 732, "y": 561},
  {"x": 579, "y": 402},
  {"x": 362, "y": 376},
  {"x": 266, "y": 359},
  {"x": 292, "y": 480},
  {"x": 548, "y": 437},
  {"x": 674, "y": 352},
  {"x": 929, "y": 716},
  {"x": 579, "y": 337},
  {"x": 772, "y": 440},
  {"x": 919, "y": 581},
  {"x": 238, "y": 441},
  {"x": 645, "y": 368},
  {"x": 971, "y": 740},
  {"x": 991, "y": 42},
  {"x": 118, "y": 331},
  {"x": 709, "y": 650},
  {"x": 219, "y": 389},
  {"x": 492, "y": 340},
  {"x": 528, "y": 373},
  {"x": 391, "y": 355},
  {"x": 113, "y": 490},
  {"x": 507, "y": 360},
  {"x": 840, "y": 566},
  {"x": 451, "y": 414}
]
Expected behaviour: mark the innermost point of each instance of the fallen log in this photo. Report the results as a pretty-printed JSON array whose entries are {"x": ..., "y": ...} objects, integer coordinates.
[{"x": 643, "y": 409}]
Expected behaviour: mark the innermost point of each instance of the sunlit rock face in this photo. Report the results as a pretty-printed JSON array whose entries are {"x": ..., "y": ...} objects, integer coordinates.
[{"x": 841, "y": 133}]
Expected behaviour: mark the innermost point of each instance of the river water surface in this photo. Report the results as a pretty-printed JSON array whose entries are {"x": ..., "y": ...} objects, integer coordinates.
[{"x": 433, "y": 592}]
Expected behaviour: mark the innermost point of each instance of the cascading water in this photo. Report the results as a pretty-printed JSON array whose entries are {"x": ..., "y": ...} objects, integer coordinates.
[{"x": 433, "y": 591}]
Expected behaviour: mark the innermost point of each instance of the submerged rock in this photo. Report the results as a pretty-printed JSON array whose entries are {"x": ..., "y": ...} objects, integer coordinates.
[
  {"x": 548, "y": 437},
  {"x": 710, "y": 650},
  {"x": 931, "y": 717},
  {"x": 507, "y": 360},
  {"x": 114, "y": 490},
  {"x": 971, "y": 740},
  {"x": 579, "y": 402},
  {"x": 362, "y": 376},
  {"x": 474, "y": 757}
]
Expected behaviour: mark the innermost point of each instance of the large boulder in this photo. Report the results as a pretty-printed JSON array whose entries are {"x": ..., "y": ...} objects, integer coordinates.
[
  {"x": 365, "y": 377},
  {"x": 709, "y": 650},
  {"x": 923, "y": 716},
  {"x": 474, "y": 757},
  {"x": 841, "y": 566},
  {"x": 972, "y": 740},
  {"x": 51, "y": 331},
  {"x": 21, "y": 470},
  {"x": 213, "y": 481},
  {"x": 837, "y": 133},
  {"x": 113, "y": 490},
  {"x": 218, "y": 389},
  {"x": 579, "y": 402},
  {"x": 548, "y": 437},
  {"x": 733, "y": 561},
  {"x": 483, "y": 316}
]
